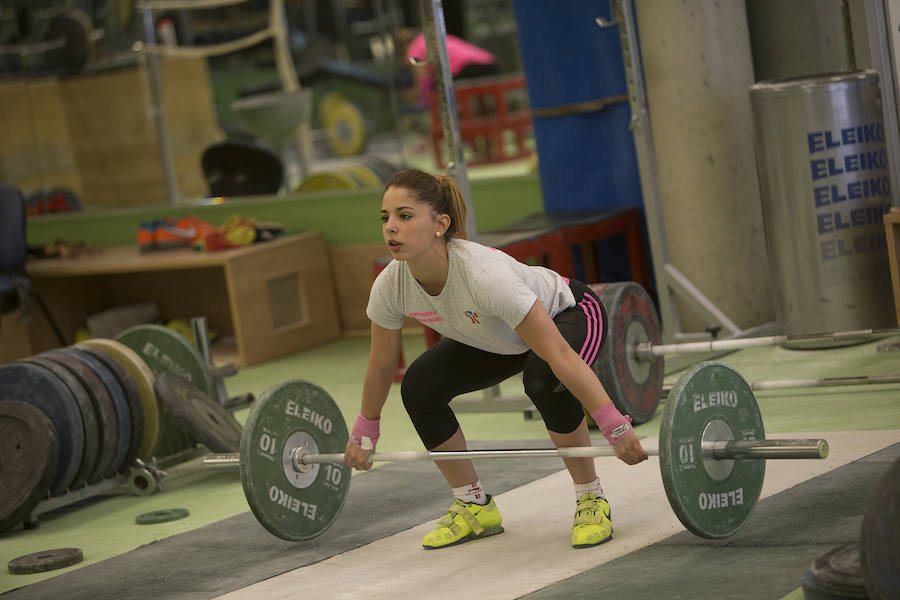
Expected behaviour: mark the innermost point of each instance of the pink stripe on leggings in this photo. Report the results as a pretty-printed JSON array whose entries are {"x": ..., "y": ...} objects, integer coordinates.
[{"x": 592, "y": 311}]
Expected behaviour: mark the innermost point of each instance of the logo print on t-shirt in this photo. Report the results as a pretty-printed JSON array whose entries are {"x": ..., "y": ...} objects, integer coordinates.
[{"x": 473, "y": 316}]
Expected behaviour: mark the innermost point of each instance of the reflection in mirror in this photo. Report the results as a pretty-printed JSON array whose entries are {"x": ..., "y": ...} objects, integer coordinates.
[{"x": 118, "y": 104}]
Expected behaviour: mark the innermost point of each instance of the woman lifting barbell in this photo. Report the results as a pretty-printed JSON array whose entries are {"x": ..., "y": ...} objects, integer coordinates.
[{"x": 497, "y": 317}]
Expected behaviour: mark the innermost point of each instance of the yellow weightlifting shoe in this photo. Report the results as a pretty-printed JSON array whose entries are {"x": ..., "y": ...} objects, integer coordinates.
[
  {"x": 464, "y": 522},
  {"x": 592, "y": 522}
]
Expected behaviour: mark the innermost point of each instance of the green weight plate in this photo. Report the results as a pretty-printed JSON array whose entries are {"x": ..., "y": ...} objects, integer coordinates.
[
  {"x": 710, "y": 402},
  {"x": 161, "y": 516},
  {"x": 294, "y": 505},
  {"x": 46, "y": 560},
  {"x": 165, "y": 350}
]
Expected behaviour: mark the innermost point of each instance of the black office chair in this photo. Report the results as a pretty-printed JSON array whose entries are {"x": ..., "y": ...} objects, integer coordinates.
[
  {"x": 15, "y": 287},
  {"x": 236, "y": 167}
]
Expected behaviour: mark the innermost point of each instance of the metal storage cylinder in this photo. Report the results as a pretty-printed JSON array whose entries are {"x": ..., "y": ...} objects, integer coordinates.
[{"x": 824, "y": 185}]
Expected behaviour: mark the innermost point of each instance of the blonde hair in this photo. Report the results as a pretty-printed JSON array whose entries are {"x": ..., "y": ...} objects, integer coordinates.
[{"x": 437, "y": 191}]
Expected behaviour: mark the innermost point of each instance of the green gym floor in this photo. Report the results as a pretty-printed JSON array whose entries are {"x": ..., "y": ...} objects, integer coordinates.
[{"x": 219, "y": 549}]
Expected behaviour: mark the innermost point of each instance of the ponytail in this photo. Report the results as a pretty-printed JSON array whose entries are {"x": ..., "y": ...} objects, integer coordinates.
[
  {"x": 456, "y": 206},
  {"x": 439, "y": 192}
]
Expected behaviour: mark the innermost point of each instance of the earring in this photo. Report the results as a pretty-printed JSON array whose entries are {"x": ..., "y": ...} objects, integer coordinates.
[{"x": 437, "y": 234}]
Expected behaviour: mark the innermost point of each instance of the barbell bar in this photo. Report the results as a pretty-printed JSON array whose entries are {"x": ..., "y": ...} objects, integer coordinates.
[
  {"x": 68, "y": 42},
  {"x": 712, "y": 452},
  {"x": 630, "y": 362},
  {"x": 302, "y": 457},
  {"x": 648, "y": 351},
  {"x": 811, "y": 382}
]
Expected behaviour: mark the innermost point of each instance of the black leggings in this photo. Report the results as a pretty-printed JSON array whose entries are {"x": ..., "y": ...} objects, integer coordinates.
[{"x": 450, "y": 368}]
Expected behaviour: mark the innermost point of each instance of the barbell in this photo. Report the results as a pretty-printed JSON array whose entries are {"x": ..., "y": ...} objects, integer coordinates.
[
  {"x": 68, "y": 43},
  {"x": 630, "y": 363},
  {"x": 712, "y": 452}
]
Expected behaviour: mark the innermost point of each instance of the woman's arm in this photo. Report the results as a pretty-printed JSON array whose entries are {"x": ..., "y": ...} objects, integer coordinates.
[
  {"x": 539, "y": 331},
  {"x": 384, "y": 354}
]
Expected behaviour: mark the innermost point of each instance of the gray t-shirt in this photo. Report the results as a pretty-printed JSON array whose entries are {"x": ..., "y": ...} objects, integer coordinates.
[{"x": 486, "y": 296}]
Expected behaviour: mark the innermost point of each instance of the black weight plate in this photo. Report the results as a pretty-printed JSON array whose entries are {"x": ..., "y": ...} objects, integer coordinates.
[
  {"x": 123, "y": 408},
  {"x": 835, "y": 574},
  {"x": 103, "y": 404},
  {"x": 36, "y": 385},
  {"x": 634, "y": 386},
  {"x": 88, "y": 418},
  {"x": 132, "y": 396},
  {"x": 879, "y": 544},
  {"x": 46, "y": 560},
  {"x": 76, "y": 29},
  {"x": 29, "y": 454},
  {"x": 164, "y": 515},
  {"x": 204, "y": 418}
]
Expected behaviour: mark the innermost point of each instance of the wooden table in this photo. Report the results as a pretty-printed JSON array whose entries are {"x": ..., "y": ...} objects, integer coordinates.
[{"x": 273, "y": 297}]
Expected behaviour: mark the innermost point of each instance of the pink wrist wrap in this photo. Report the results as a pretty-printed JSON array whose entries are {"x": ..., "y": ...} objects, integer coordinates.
[
  {"x": 365, "y": 432},
  {"x": 612, "y": 424}
]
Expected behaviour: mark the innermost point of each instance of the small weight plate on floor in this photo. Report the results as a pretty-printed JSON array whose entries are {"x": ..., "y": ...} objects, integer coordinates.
[
  {"x": 835, "y": 574},
  {"x": 166, "y": 351},
  {"x": 290, "y": 504},
  {"x": 879, "y": 544},
  {"x": 710, "y": 402},
  {"x": 144, "y": 378},
  {"x": 132, "y": 396},
  {"x": 204, "y": 418},
  {"x": 116, "y": 394},
  {"x": 161, "y": 516},
  {"x": 88, "y": 418},
  {"x": 103, "y": 404},
  {"x": 46, "y": 560},
  {"x": 635, "y": 386},
  {"x": 29, "y": 454},
  {"x": 36, "y": 385}
]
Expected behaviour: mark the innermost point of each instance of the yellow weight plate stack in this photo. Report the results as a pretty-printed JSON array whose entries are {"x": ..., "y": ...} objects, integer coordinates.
[
  {"x": 327, "y": 180},
  {"x": 366, "y": 176}
]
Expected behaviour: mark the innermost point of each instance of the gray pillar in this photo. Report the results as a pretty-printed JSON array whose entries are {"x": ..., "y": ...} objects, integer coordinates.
[{"x": 698, "y": 68}]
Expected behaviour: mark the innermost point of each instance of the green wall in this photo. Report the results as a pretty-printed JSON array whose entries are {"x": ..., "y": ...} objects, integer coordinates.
[{"x": 346, "y": 217}]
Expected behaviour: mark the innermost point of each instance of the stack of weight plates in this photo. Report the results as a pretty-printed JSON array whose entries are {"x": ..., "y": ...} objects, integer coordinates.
[
  {"x": 365, "y": 172},
  {"x": 74, "y": 416}
]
